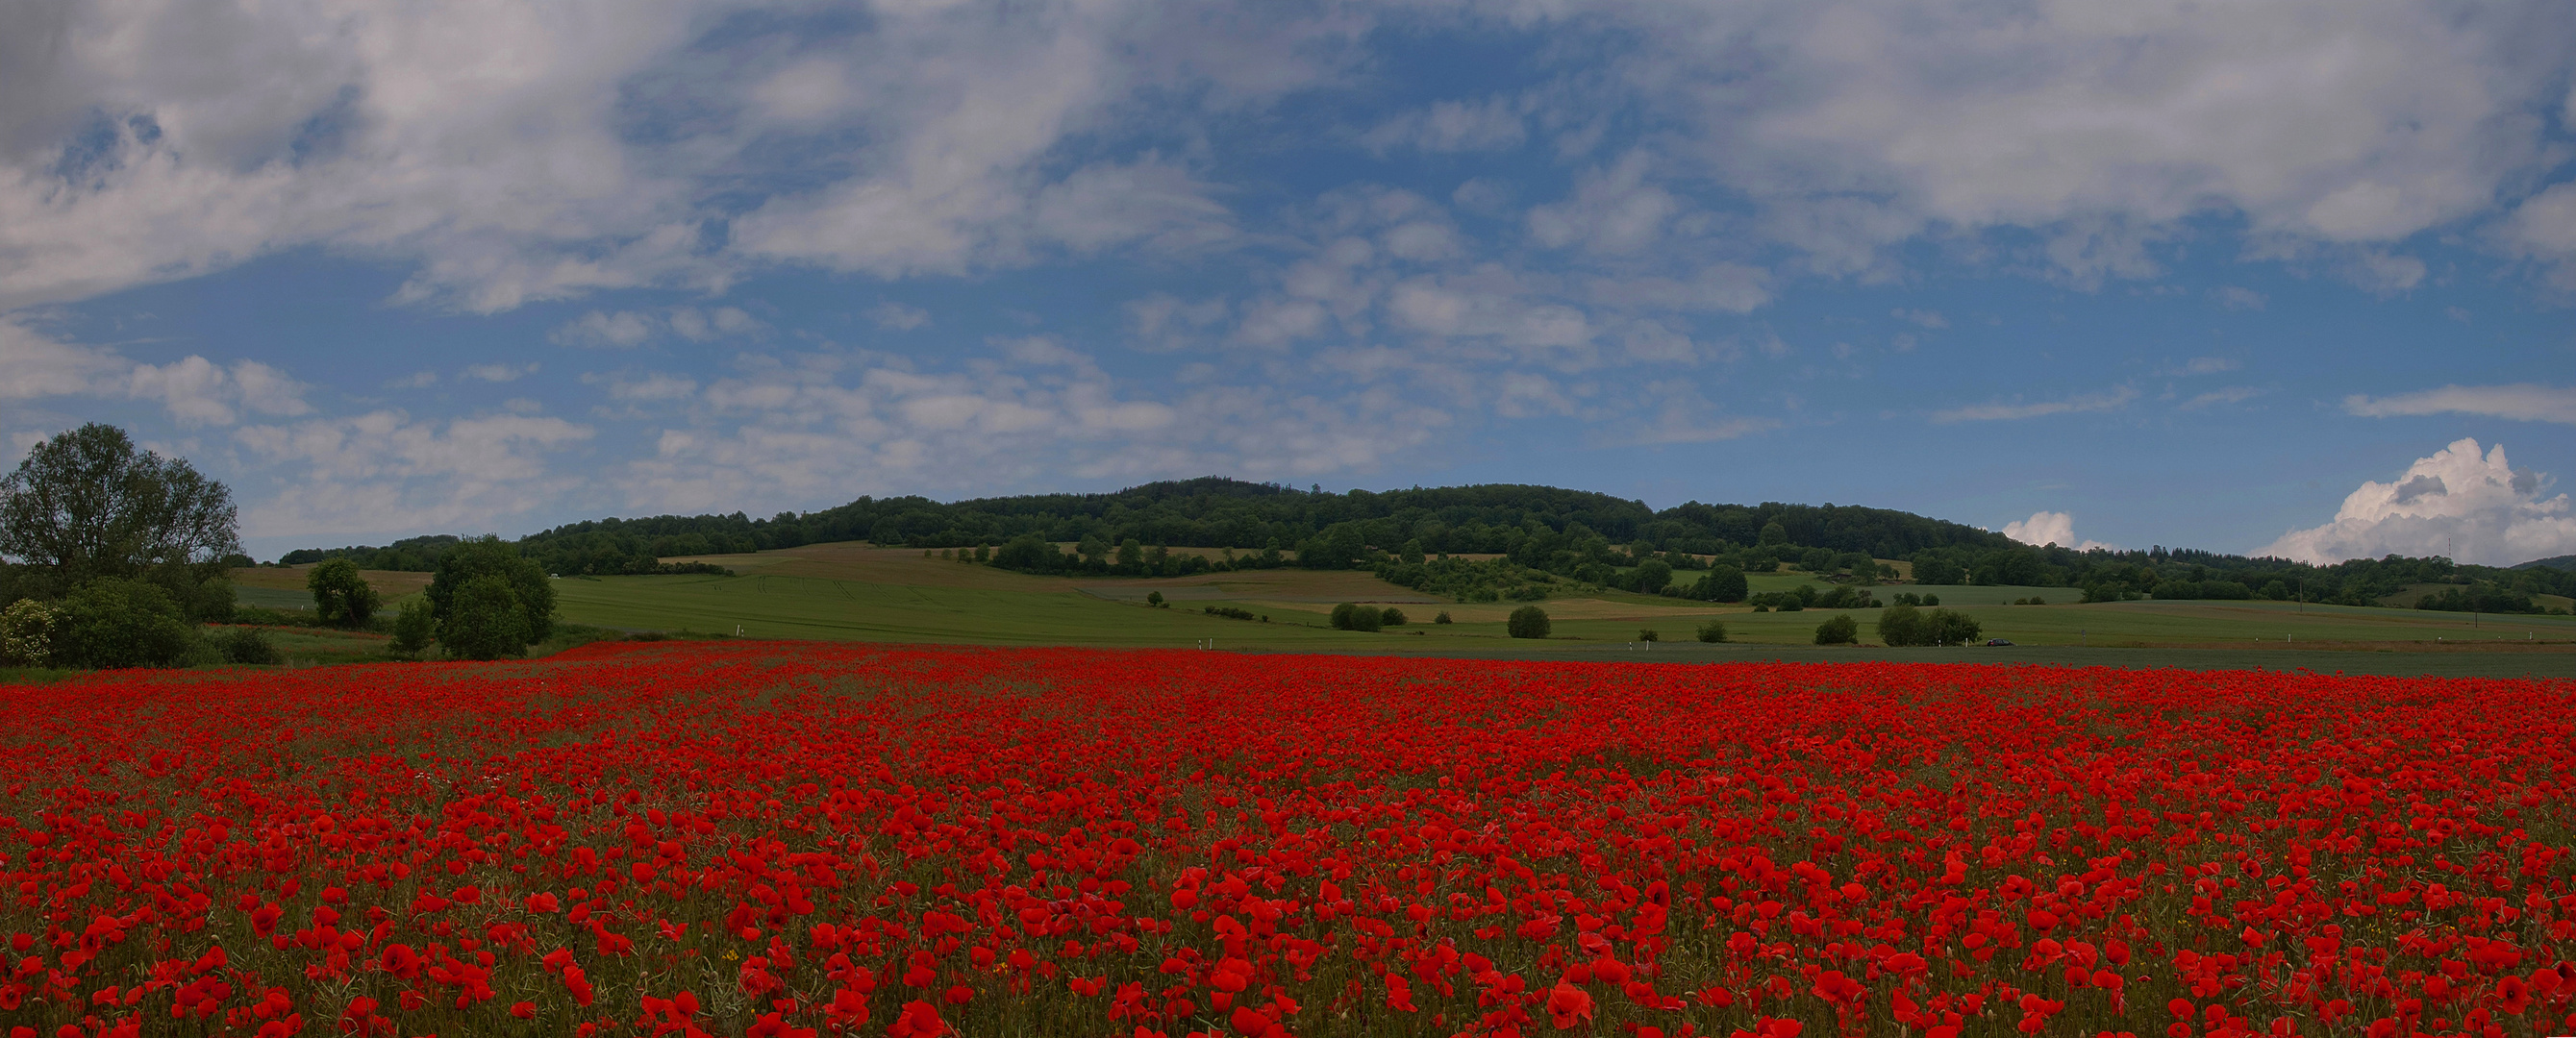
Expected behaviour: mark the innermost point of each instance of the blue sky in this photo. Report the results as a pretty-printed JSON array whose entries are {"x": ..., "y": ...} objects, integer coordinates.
[{"x": 2247, "y": 277}]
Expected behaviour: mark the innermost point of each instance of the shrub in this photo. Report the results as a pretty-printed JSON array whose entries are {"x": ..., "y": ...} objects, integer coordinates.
[
  {"x": 1950, "y": 627},
  {"x": 1229, "y": 612},
  {"x": 1649, "y": 634},
  {"x": 486, "y": 621},
  {"x": 1442, "y": 618},
  {"x": 1364, "y": 618},
  {"x": 27, "y": 633},
  {"x": 1901, "y": 624},
  {"x": 1154, "y": 598},
  {"x": 413, "y": 627},
  {"x": 1841, "y": 630},
  {"x": 341, "y": 597},
  {"x": 122, "y": 623},
  {"x": 1391, "y": 617},
  {"x": 1342, "y": 616},
  {"x": 1528, "y": 622},
  {"x": 470, "y": 560},
  {"x": 1713, "y": 631},
  {"x": 246, "y": 645}
]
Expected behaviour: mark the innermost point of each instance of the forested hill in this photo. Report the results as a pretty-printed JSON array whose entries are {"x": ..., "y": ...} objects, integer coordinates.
[
  {"x": 1579, "y": 535},
  {"x": 1216, "y": 512}
]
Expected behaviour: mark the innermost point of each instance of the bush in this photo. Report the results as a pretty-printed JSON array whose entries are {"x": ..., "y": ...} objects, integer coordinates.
[
  {"x": 1364, "y": 618},
  {"x": 1442, "y": 618},
  {"x": 1229, "y": 612},
  {"x": 1841, "y": 630},
  {"x": 1342, "y": 616},
  {"x": 1154, "y": 598},
  {"x": 531, "y": 595},
  {"x": 122, "y": 623},
  {"x": 246, "y": 645},
  {"x": 1713, "y": 631},
  {"x": 27, "y": 633},
  {"x": 1649, "y": 634},
  {"x": 413, "y": 627},
  {"x": 486, "y": 621},
  {"x": 340, "y": 596},
  {"x": 1528, "y": 622},
  {"x": 1901, "y": 624},
  {"x": 1391, "y": 617}
]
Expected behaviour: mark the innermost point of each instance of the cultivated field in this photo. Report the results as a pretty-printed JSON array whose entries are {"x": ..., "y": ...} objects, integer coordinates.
[
  {"x": 807, "y": 839},
  {"x": 850, "y": 591}
]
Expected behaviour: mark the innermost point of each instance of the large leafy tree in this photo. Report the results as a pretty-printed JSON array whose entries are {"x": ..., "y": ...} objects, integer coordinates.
[
  {"x": 490, "y": 601},
  {"x": 88, "y": 504}
]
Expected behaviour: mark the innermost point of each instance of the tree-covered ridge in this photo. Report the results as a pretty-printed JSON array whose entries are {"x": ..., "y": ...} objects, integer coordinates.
[{"x": 1548, "y": 538}]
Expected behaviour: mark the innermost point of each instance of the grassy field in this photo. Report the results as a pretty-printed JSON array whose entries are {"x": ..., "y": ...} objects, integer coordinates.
[{"x": 853, "y": 592}]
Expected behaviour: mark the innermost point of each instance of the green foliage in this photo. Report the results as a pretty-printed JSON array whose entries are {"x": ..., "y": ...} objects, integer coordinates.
[
  {"x": 1649, "y": 634},
  {"x": 1721, "y": 583},
  {"x": 414, "y": 625},
  {"x": 87, "y": 504},
  {"x": 409, "y": 555},
  {"x": 1651, "y": 576},
  {"x": 117, "y": 622},
  {"x": 1712, "y": 631},
  {"x": 530, "y": 598},
  {"x": 1154, "y": 598},
  {"x": 1528, "y": 622},
  {"x": 1903, "y": 624},
  {"x": 2480, "y": 598},
  {"x": 1442, "y": 618},
  {"x": 27, "y": 633},
  {"x": 1841, "y": 630},
  {"x": 1229, "y": 612},
  {"x": 246, "y": 645},
  {"x": 485, "y": 620},
  {"x": 1350, "y": 616},
  {"x": 1391, "y": 617},
  {"x": 341, "y": 597}
]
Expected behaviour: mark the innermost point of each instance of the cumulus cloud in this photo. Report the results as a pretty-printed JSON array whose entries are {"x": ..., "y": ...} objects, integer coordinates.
[
  {"x": 2474, "y": 507},
  {"x": 786, "y": 429},
  {"x": 2001, "y": 412},
  {"x": 2056, "y": 528},
  {"x": 894, "y": 316},
  {"x": 625, "y": 329},
  {"x": 384, "y": 471},
  {"x": 2523, "y": 402}
]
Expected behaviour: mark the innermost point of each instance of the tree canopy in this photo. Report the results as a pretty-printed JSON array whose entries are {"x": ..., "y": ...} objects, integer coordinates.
[{"x": 88, "y": 505}]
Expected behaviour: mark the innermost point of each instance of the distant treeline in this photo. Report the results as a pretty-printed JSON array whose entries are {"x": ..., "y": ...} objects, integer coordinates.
[{"x": 1545, "y": 537}]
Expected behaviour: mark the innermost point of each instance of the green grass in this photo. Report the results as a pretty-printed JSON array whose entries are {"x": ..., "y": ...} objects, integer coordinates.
[{"x": 842, "y": 610}]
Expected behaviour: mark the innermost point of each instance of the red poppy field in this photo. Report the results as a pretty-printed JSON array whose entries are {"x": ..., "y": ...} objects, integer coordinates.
[{"x": 776, "y": 839}]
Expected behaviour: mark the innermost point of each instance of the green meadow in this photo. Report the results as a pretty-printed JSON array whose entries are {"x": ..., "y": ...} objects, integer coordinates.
[{"x": 849, "y": 592}]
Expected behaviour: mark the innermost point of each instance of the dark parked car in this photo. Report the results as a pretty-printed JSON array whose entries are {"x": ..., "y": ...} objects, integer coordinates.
[{"x": 1997, "y": 641}]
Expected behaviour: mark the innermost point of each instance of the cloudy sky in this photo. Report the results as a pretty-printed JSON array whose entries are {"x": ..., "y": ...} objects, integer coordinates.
[{"x": 2283, "y": 276}]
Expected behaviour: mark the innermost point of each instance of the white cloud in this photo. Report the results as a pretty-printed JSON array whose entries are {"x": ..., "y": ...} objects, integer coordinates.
[
  {"x": 1613, "y": 211},
  {"x": 2476, "y": 508},
  {"x": 40, "y": 365},
  {"x": 788, "y": 429},
  {"x": 1998, "y": 412},
  {"x": 2102, "y": 128},
  {"x": 2215, "y": 397},
  {"x": 1493, "y": 124},
  {"x": 894, "y": 316},
  {"x": 1925, "y": 318},
  {"x": 2524, "y": 402},
  {"x": 421, "y": 379},
  {"x": 199, "y": 392},
  {"x": 498, "y": 372},
  {"x": 619, "y": 330},
  {"x": 2056, "y": 528},
  {"x": 2235, "y": 297},
  {"x": 385, "y": 472}
]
